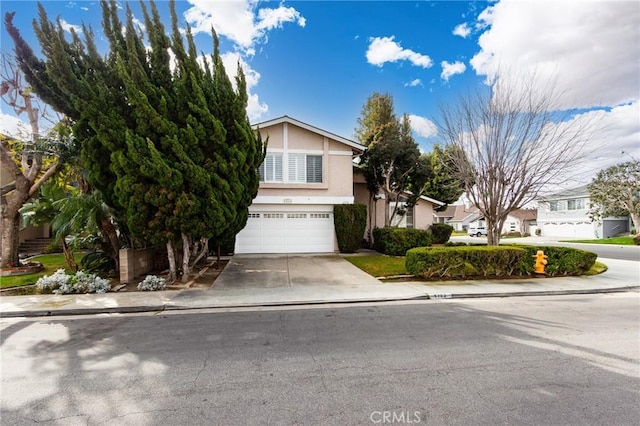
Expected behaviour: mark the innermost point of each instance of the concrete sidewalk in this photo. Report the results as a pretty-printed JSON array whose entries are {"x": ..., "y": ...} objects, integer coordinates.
[{"x": 621, "y": 276}]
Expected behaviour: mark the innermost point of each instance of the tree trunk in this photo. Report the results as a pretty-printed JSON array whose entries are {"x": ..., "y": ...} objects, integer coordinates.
[
  {"x": 110, "y": 233},
  {"x": 10, "y": 239},
  {"x": 186, "y": 254},
  {"x": 68, "y": 256},
  {"x": 387, "y": 219},
  {"x": 635, "y": 219},
  {"x": 171, "y": 255},
  {"x": 204, "y": 248}
]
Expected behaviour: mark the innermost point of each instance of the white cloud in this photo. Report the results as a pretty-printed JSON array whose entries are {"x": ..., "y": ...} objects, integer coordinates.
[
  {"x": 423, "y": 126},
  {"x": 237, "y": 20},
  {"x": 462, "y": 30},
  {"x": 589, "y": 49},
  {"x": 615, "y": 131},
  {"x": 255, "y": 109},
  {"x": 451, "y": 69},
  {"x": 413, "y": 83},
  {"x": 385, "y": 49},
  {"x": 67, "y": 27},
  {"x": 139, "y": 24},
  {"x": 11, "y": 125}
]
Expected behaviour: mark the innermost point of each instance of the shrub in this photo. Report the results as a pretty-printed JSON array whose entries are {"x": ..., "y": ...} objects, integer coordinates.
[
  {"x": 561, "y": 260},
  {"x": 538, "y": 232},
  {"x": 97, "y": 261},
  {"x": 462, "y": 261},
  {"x": 441, "y": 232},
  {"x": 513, "y": 234},
  {"x": 350, "y": 221},
  {"x": 52, "y": 247},
  {"x": 507, "y": 260},
  {"x": 152, "y": 283},
  {"x": 81, "y": 282},
  {"x": 49, "y": 283},
  {"x": 636, "y": 239},
  {"x": 455, "y": 243},
  {"x": 396, "y": 241}
]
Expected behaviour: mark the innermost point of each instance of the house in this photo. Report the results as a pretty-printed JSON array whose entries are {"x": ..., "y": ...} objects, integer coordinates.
[
  {"x": 566, "y": 214},
  {"x": 458, "y": 216},
  {"x": 306, "y": 172},
  {"x": 519, "y": 220},
  {"x": 419, "y": 216}
]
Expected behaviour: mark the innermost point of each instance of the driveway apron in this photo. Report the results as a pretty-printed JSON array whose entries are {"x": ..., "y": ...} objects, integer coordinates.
[{"x": 290, "y": 270}]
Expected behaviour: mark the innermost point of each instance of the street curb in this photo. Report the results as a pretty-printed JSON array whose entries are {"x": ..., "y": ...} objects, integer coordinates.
[
  {"x": 426, "y": 296},
  {"x": 532, "y": 293}
]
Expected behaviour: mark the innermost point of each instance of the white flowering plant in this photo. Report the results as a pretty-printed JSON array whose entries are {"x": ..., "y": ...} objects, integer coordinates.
[
  {"x": 152, "y": 283},
  {"x": 81, "y": 282}
]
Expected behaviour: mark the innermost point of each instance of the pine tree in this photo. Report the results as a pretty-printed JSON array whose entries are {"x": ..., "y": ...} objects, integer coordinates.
[{"x": 392, "y": 153}]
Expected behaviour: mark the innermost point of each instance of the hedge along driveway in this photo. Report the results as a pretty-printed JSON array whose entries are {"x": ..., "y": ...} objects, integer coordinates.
[{"x": 500, "y": 261}]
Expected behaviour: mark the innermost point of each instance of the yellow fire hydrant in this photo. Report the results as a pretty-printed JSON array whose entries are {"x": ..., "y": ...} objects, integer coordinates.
[{"x": 541, "y": 261}]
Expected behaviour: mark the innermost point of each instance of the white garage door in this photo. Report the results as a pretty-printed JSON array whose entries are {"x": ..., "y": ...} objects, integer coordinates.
[
  {"x": 287, "y": 232},
  {"x": 569, "y": 229}
]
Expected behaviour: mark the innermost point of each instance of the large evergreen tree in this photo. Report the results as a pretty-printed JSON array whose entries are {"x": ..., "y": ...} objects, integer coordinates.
[
  {"x": 392, "y": 156},
  {"x": 168, "y": 144},
  {"x": 443, "y": 185}
]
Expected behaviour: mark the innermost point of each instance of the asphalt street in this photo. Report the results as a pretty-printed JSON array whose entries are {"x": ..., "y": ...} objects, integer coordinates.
[{"x": 539, "y": 360}]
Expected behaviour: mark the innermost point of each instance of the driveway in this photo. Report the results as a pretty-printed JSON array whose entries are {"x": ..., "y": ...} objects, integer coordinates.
[{"x": 290, "y": 270}]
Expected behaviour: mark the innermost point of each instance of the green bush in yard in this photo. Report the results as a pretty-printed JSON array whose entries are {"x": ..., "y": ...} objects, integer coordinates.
[
  {"x": 350, "y": 221},
  {"x": 441, "y": 232},
  {"x": 505, "y": 260},
  {"x": 396, "y": 241},
  {"x": 560, "y": 260},
  {"x": 463, "y": 261},
  {"x": 636, "y": 239}
]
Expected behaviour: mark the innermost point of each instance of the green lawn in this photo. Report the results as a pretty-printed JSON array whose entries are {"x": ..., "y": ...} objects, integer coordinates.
[
  {"x": 623, "y": 241},
  {"x": 51, "y": 263},
  {"x": 379, "y": 266}
]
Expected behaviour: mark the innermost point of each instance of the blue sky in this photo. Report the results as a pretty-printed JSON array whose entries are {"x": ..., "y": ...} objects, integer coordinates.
[{"x": 318, "y": 61}]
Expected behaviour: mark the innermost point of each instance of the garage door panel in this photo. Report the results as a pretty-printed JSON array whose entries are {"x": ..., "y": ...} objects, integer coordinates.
[
  {"x": 569, "y": 230},
  {"x": 287, "y": 232}
]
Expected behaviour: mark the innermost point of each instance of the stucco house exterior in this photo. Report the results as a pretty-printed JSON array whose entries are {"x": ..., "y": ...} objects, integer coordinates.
[
  {"x": 305, "y": 173},
  {"x": 566, "y": 214},
  {"x": 520, "y": 220},
  {"x": 459, "y": 216}
]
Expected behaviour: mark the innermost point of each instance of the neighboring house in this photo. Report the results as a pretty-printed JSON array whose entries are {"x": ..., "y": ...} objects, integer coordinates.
[
  {"x": 566, "y": 214},
  {"x": 306, "y": 172},
  {"x": 458, "y": 216},
  {"x": 419, "y": 216},
  {"x": 520, "y": 220}
]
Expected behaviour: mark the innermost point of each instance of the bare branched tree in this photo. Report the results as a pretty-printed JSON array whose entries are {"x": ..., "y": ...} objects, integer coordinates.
[
  {"x": 511, "y": 142},
  {"x": 22, "y": 159}
]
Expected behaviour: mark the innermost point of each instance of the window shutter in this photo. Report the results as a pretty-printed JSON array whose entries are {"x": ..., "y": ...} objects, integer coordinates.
[
  {"x": 314, "y": 168},
  {"x": 296, "y": 168},
  {"x": 278, "y": 168}
]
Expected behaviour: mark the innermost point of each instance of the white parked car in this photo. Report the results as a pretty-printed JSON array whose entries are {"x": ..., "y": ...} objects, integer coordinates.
[{"x": 477, "y": 231}]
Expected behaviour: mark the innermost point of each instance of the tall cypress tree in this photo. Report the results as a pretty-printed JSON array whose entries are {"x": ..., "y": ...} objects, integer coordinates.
[{"x": 170, "y": 145}]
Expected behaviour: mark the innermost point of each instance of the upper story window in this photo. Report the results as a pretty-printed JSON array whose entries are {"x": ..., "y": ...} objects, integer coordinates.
[
  {"x": 577, "y": 204},
  {"x": 572, "y": 204},
  {"x": 271, "y": 168},
  {"x": 301, "y": 168}
]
